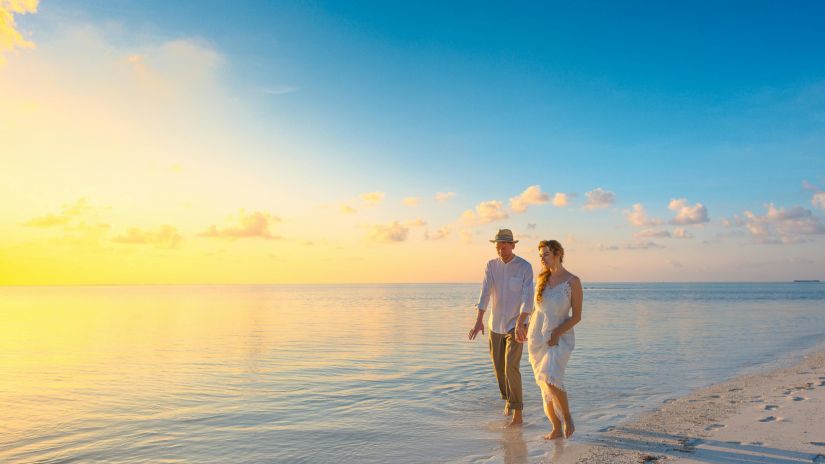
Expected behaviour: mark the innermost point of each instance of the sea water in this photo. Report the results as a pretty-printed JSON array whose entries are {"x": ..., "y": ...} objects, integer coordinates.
[{"x": 353, "y": 373}]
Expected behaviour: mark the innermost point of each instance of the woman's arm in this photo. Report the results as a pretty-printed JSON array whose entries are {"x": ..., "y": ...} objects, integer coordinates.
[{"x": 576, "y": 298}]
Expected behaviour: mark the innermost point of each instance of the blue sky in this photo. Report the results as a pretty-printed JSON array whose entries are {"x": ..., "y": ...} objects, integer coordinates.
[{"x": 721, "y": 103}]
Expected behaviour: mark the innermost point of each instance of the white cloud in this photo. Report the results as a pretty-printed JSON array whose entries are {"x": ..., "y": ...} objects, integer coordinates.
[
  {"x": 416, "y": 223},
  {"x": 561, "y": 199},
  {"x": 681, "y": 233},
  {"x": 631, "y": 246},
  {"x": 438, "y": 234},
  {"x": 165, "y": 237},
  {"x": 347, "y": 209},
  {"x": 372, "y": 198},
  {"x": 675, "y": 263},
  {"x": 648, "y": 233},
  {"x": 412, "y": 201},
  {"x": 532, "y": 195},
  {"x": 253, "y": 225},
  {"x": 10, "y": 37},
  {"x": 443, "y": 197},
  {"x": 388, "y": 233},
  {"x": 779, "y": 225},
  {"x": 686, "y": 215},
  {"x": 818, "y": 200},
  {"x": 485, "y": 212},
  {"x": 638, "y": 217},
  {"x": 599, "y": 198}
]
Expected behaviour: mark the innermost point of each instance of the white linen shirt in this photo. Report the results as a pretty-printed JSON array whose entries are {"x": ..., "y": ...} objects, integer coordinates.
[{"x": 511, "y": 287}]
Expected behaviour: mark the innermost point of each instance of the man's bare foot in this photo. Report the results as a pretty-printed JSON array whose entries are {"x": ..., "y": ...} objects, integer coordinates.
[
  {"x": 569, "y": 428},
  {"x": 517, "y": 420},
  {"x": 506, "y": 410},
  {"x": 556, "y": 433}
]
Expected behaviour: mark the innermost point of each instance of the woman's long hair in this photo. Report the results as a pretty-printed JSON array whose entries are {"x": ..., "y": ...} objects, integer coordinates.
[{"x": 555, "y": 248}]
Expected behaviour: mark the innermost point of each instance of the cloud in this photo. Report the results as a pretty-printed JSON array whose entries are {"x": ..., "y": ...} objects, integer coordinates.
[
  {"x": 49, "y": 220},
  {"x": 638, "y": 217},
  {"x": 443, "y": 197},
  {"x": 531, "y": 226},
  {"x": 412, "y": 201},
  {"x": 466, "y": 236},
  {"x": 818, "y": 200},
  {"x": 485, "y": 212},
  {"x": 631, "y": 246},
  {"x": 439, "y": 234},
  {"x": 779, "y": 225},
  {"x": 10, "y": 37},
  {"x": 347, "y": 209},
  {"x": 675, "y": 263},
  {"x": 254, "y": 225},
  {"x": 388, "y": 233},
  {"x": 372, "y": 198},
  {"x": 648, "y": 233},
  {"x": 165, "y": 237},
  {"x": 686, "y": 215},
  {"x": 681, "y": 233},
  {"x": 416, "y": 223},
  {"x": 599, "y": 198},
  {"x": 530, "y": 196},
  {"x": 809, "y": 186},
  {"x": 69, "y": 211},
  {"x": 561, "y": 199}
]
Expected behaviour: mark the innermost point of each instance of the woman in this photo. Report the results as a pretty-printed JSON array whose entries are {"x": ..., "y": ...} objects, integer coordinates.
[{"x": 550, "y": 337}]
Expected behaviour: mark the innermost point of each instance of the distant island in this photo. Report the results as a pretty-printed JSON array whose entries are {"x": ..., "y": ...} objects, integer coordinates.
[{"x": 814, "y": 280}]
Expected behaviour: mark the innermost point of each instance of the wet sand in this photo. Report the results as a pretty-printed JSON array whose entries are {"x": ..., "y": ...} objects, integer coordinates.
[{"x": 776, "y": 417}]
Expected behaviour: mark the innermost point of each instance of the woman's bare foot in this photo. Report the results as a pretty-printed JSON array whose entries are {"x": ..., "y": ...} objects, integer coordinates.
[
  {"x": 556, "y": 433},
  {"x": 506, "y": 410},
  {"x": 568, "y": 428}
]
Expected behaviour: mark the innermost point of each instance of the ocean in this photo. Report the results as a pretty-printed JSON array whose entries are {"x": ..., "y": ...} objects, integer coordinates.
[{"x": 353, "y": 373}]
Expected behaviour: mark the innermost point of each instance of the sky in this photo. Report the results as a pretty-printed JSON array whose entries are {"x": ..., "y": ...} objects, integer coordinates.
[{"x": 353, "y": 142}]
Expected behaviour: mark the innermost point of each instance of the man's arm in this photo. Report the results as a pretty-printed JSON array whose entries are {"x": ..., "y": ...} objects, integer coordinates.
[
  {"x": 527, "y": 296},
  {"x": 483, "y": 301}
]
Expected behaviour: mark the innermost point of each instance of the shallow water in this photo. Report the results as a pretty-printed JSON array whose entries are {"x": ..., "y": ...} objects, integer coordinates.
[{"x": 351, "y": 374}]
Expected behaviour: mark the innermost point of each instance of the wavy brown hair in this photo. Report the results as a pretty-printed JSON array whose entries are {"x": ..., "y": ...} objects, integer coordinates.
[{"x": 555, "y": 248}]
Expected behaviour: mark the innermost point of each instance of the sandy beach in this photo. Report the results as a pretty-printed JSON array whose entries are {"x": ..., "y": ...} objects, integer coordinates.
[{"x": 776, "y": 417}]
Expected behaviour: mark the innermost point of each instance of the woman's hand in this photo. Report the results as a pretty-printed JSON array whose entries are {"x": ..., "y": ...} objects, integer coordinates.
[{"x": 554, "y": 339}]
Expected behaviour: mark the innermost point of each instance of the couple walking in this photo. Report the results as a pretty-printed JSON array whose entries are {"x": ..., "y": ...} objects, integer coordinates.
[{"x": 543, "y": 319}]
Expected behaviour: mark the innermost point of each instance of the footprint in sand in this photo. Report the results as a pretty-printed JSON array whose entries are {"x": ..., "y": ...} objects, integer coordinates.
[
  {"x": 770, "y": 407},
  {"x": 712, "y": 427},
  {"x": 799, "y": 398},
  {"x": 770, "y": 419},
  {"x": 754, "y": 443},
  {"x": 714, "y": 396},
  {"x": 822, "y": 384}
]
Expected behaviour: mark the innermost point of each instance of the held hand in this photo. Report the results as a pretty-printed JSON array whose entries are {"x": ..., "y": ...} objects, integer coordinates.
[
  {"x": 479, "y": 327},
  {"x": 521, "y": 333}
]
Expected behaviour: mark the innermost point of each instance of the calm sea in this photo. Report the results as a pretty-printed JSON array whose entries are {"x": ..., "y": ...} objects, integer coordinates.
[{"x": 355, "y": 373}]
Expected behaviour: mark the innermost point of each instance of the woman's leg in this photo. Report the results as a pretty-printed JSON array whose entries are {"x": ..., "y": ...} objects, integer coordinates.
[
  {"x": 560, "y": 400},
  {"x": 547, "y": 401}
]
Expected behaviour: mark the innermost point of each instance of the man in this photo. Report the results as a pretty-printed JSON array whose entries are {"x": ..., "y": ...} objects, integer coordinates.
[{"x": 508, "y": 280}]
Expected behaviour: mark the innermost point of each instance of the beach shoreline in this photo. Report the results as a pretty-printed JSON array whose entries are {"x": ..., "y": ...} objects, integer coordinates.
[{"x": 776, "y": 415}]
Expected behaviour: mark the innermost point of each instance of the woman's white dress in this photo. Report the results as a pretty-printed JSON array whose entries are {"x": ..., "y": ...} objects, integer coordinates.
[{"x": 549, "y": 362}]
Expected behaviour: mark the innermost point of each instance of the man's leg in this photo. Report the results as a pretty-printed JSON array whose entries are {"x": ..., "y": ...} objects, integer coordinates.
[
  {"x": 498, "y": 348},
  {"x": 513, "y": 350}
]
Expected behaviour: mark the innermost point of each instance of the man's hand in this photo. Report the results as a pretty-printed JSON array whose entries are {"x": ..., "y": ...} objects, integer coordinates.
[{"x": 479, "y": 327}]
